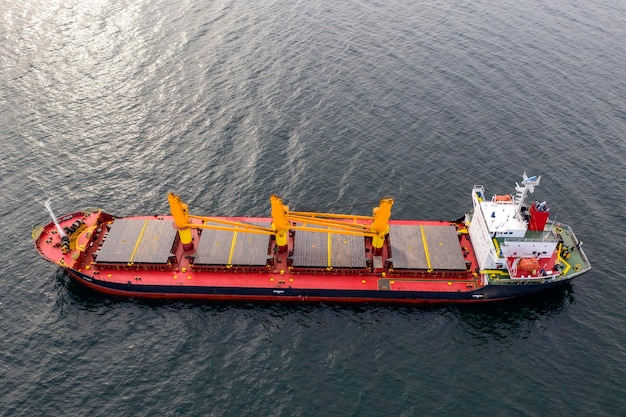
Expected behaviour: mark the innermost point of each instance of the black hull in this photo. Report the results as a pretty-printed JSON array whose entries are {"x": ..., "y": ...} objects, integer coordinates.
[{"x": 488, "y": 293}]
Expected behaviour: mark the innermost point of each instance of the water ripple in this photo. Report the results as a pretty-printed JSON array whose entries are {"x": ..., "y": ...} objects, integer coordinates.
[{"x": 332, "y": 106}]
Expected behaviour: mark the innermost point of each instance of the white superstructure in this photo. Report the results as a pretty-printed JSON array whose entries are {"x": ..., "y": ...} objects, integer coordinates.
[{"x": 499, "y": 230}]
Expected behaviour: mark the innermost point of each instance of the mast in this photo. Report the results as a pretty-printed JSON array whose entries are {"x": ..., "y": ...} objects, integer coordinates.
[
  {"x": 280, "y": 223},
  {"x": 527, "y": 187},
  {"x": 180, "y": 213},
  {"x": 380, "y": 224},
  {"x": 54, "y": 218}
]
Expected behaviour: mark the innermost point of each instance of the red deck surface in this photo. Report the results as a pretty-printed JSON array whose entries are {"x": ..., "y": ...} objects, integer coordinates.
[{"x": 278, "y": 275}]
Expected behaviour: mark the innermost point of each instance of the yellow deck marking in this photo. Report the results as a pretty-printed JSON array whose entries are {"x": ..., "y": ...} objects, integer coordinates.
[
  {"x": 567, "y": 266},
  {"x": 143, "y": 229},
  {"x": 425, "y": 248},
  {"x": 76, "y": 235},
  {"x": 494, "y": 272},
  {"x": 87, "y": 230},
  {"x": 495, "y": 243},
  {"x": 232, "y": 248},
  {"x": 330, "y": 247}
]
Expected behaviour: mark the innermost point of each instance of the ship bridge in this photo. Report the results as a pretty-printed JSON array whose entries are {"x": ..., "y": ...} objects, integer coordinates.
[
  {"x": 502, "y": 218},
  {"x": 502, "y": 228}
]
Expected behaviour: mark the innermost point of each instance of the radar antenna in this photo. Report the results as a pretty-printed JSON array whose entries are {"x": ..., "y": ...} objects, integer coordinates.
[{"x": 527, "y": 187}]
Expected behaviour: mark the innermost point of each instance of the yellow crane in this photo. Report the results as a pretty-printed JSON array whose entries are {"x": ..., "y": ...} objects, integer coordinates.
[{"x": 284, "y": 220}]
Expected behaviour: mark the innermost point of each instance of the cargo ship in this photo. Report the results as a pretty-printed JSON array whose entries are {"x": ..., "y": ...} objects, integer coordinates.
[{"x": 502, "y": 248}]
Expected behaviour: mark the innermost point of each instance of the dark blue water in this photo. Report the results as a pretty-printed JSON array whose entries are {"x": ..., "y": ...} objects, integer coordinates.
[{"x": 330, "y": 105}]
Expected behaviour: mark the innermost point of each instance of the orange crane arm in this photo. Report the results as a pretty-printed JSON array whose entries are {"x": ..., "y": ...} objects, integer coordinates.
[{"x": 283, "y": 220}]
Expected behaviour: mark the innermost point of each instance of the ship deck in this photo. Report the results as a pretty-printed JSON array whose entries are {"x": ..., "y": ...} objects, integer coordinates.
[{"x": 432, "y": 256}]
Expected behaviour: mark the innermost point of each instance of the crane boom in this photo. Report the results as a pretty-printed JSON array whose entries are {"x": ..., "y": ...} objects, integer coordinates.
[{"x": 283, "y": 221}]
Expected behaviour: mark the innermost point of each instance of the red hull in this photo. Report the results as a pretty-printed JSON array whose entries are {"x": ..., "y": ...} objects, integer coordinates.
[{"x": 338, "y": 259}]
